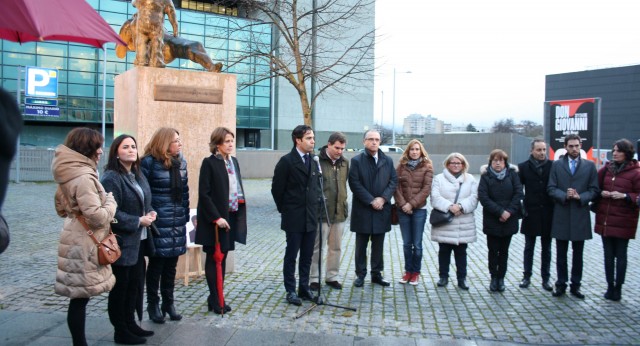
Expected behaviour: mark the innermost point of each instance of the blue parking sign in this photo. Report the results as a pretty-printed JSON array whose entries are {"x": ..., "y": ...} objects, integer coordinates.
[{"x": 41, "y": 82}]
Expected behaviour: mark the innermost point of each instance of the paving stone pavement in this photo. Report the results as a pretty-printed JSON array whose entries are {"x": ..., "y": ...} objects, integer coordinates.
[{"x": 400, "y": 314}]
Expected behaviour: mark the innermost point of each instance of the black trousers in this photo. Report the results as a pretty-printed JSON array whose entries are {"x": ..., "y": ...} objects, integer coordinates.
[
  {"x": 76, "y": 317},
  {"x": 161, "y": 272},
  {"x": 444, "y": 259},
  {"x": 377, "y": 246},
  {"x": 562, "y": 248},
  {"x": 615, "y": 259},
  {"x": 211, "y": 273},
  {"x": 498, "y": 255},
  {"x": 298, "y": 242},
  {"x": 545, "y": 256},
  {"x": 125, "y": 295}
]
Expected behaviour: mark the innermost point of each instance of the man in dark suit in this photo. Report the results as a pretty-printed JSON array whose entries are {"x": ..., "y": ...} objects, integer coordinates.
[
  {"x": 373, "y": 180},
  {"x": 534, "y": 175},
  {"x": 573, "y": 184},
  {"x": 296, "y": 191}
]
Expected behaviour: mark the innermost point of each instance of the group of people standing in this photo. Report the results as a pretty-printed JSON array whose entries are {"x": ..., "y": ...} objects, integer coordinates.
[
  {"x": 552, "y": 198},
  {"x": 145, "y": 202}
]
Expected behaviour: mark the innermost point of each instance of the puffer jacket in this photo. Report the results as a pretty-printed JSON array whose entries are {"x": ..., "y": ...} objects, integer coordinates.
[
  {"x": 414, "y": 186},
  {"x": 497, "y": 196},
  {"x": 618, "y": 218},
  {"x": 334, "y": 178},
  {"x": 79, "y": 192},
  {"x": 462, "y": 230},
  {"x": 172, "y": 217}
]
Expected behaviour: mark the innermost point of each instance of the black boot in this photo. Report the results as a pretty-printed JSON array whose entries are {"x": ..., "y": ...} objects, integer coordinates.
[
  {"x": 501, "y": 285},
  {"x": 170, "y": 309},
  {"x": 493, "y": 287},
  {"x": 617, "y": 293},
  {"x": 125, "y": 337},
  {"x": 154, "y": 313},
  {"x": 137, "y": 330},
  {"x": 609, "y": 293}
]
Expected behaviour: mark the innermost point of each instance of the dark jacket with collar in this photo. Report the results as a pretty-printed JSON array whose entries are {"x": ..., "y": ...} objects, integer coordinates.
[
  {"x": 367, "y": 181},
  {"x": 334, "y": 178},
  {"x": 172, "y": 217},
  {"x": 213, "y": 203},
  {"x": 498, "y": 196},
  {"x": 296, "y": 192},
  {"x": 537, "y": 202},
  {"x": 131, "y": 205},
  {"x": 571, "y": 218}
]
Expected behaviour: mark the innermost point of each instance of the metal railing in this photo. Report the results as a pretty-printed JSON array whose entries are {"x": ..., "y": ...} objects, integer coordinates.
[{"x": 35, "y": 164}]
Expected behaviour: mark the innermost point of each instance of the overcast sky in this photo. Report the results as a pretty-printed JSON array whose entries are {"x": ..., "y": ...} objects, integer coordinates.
[{"x": 474, "y": 61}]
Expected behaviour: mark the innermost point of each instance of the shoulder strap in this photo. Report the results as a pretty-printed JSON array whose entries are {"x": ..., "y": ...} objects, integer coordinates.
[
  {"x": 458, "y": 193},
  {"x": 83, "y": 221}
]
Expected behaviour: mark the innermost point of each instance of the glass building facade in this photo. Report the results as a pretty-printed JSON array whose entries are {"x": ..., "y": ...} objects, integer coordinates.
[{"x": 224, "y": 35}]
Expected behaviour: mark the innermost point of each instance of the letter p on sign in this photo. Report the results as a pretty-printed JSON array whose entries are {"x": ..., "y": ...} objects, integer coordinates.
[{"x": 41, "y": 82}]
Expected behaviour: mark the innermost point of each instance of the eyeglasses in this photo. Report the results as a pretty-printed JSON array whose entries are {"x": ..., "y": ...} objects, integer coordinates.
[{"x": 455, "y": 163}]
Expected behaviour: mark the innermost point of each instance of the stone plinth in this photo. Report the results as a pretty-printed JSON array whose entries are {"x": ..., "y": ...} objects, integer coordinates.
[{"x": 138, "y": 111}]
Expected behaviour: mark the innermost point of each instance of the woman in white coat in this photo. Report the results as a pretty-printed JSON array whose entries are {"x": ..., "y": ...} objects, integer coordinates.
[{"x": 455, "y": 235}]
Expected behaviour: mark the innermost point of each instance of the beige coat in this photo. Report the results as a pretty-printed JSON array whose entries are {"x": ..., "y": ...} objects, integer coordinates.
[{"x": 79, "y": 191}]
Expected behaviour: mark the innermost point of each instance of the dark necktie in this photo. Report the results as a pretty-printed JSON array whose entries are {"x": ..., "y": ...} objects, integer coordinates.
[{"x": 307, "y": 162}]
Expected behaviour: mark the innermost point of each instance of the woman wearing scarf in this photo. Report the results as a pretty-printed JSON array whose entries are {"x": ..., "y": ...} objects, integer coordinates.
[
  {"x": 415, "y": 173},
  {"x": 221, "y": 202},
  {"x": 617, "y": 213},
  {"x": 166, "y": 171},
  {"x": 500, "y": 193}
]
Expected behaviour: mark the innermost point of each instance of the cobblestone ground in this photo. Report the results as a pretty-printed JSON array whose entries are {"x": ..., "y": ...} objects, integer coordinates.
[{"x": 255, "y": 291}]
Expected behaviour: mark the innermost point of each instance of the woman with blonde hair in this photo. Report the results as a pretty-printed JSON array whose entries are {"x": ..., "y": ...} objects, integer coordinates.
[
  {"x": 455, "y": 191},
  {"x": 80, "y": 195},
  {"x": 415, "y": 173},
  {"x": 221, "y": 203},
  {"x": 166, "y": 171}
]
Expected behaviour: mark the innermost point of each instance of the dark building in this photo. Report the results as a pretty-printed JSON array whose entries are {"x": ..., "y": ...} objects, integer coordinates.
[{"x": 619, "y": 90}]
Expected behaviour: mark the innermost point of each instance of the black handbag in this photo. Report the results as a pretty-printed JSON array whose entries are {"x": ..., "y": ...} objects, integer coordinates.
[{"x": 438, "y": 217}]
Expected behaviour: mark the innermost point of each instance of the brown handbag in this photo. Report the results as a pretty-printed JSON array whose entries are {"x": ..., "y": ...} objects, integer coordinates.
[{"x": 108, "y": 249}]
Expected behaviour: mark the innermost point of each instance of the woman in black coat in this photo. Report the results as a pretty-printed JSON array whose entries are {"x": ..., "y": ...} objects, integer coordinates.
[
  {"x": 500, "y": 193},
  {"x": 133, "y": 216},
  {"x": 166, "y": 171},
  {"x": 221, "y": 202}
]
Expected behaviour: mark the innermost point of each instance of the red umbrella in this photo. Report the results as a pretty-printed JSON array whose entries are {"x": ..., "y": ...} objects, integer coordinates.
[
  {"x": 218, "y": 256},
  {"x": 54, "y": 20}
]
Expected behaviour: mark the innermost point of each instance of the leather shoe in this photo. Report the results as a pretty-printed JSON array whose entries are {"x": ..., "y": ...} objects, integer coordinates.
[
  {"x": 501, "y": 285},
  {"x": 576, "y": 293},
  {"x": 314, "y": 286},
  {"x": 334, "y": 284},
  {"x": 306, "y": 295},
  {"x": 380, "y": 281},
  {"x": 525, "y": 283},
  {"x": 292, "y": 298},
  {"x": 359, "y": 281},
  {"x": 443, "y": 282},
  {"x": 559, "y": 292},
  {"x": 462, "y": 283},
  {"x": 493, "y": 286},
  {"x": 546, "y": 285}
]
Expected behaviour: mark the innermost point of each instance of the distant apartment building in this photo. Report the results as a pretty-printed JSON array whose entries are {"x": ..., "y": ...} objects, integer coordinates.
[{"x": 418, "y": 125}]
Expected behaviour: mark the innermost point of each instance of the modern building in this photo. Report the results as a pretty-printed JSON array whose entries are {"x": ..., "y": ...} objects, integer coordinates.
[
  {"x": 619, "y": 91},
  {"x": 266, "y": 109},
  {"x": 418, "y": 125}
]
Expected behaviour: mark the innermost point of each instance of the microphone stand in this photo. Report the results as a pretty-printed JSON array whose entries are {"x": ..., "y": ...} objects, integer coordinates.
[{"x": 319, "y": 300}]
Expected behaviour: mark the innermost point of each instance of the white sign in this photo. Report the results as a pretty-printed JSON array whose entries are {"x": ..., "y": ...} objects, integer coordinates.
[{"x": 41, "y": 82}]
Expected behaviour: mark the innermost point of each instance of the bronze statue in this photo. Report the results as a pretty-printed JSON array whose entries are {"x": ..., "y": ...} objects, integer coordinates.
[
  {"x": 149, "y": 30},
  {"x": 173, "y": 47}
]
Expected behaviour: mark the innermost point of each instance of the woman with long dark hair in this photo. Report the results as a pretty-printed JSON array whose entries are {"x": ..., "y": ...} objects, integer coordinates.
[
  {"x": 80, "y": 194},
  {"x": 134, "y": 215},
  {"x": 617, "y": 213},
  {"x": 221, "y": 203},
  {"x": 166, "y": 171},
  {"x": 415, "y": 174}
]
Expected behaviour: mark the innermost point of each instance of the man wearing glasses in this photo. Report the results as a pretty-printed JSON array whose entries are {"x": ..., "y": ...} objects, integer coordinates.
[{"x": 373, "y": 180}]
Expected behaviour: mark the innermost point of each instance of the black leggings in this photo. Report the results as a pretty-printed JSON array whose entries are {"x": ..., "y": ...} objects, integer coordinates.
[{"x": 76, "y": 316}]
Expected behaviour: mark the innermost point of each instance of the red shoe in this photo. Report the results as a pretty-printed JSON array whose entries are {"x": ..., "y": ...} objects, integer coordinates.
[
  {"x": 406, "y": 277},
  {"x": 415, "y": 279}
]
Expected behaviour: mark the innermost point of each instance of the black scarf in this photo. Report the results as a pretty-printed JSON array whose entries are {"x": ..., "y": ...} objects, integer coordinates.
[
  {"x": 617, "y": 167},
  {"x": 175, "y": 180},
  {"x": 537, "y": 164}
]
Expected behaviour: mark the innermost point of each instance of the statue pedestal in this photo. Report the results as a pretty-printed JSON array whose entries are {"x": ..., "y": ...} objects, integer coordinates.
[{"x": 199, "y": 102}]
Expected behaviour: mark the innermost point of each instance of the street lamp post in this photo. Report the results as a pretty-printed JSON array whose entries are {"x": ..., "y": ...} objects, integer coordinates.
[{"x": 393, "y": 126}]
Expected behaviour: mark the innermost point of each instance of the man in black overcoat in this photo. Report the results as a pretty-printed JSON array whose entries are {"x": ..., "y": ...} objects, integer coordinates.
[
  {"x": 296, "y": 192},
  {"x": 538, "y": 205},
  {"x": 373, "y": 180}
]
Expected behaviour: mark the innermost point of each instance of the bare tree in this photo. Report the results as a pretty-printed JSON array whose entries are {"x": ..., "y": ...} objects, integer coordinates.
[
  {"x": 531, "y": 128},
  {"x": 386, "y": 134},
  {"x": 504, "y": 126},
  {"x": 326, "y": 47}
]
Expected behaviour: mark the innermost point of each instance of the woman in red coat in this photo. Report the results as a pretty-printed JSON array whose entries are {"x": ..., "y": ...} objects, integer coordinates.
[{"x": 617, "y": 213}]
